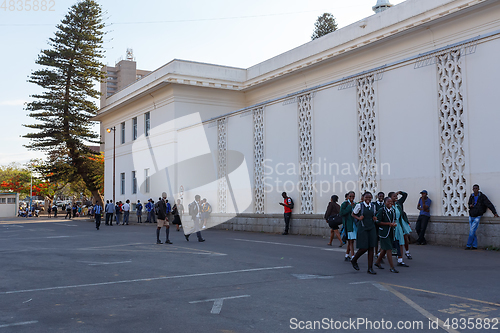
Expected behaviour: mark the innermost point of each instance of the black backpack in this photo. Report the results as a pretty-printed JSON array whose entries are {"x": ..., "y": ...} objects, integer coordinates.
[{"x": 291, "y": 203}]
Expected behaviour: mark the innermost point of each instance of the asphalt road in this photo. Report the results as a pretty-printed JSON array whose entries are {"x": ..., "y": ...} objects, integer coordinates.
[{"x": 66, "y": 276}]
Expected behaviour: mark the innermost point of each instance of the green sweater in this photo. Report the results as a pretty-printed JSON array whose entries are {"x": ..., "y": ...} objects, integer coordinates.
[{"x": 347, "y": 219}]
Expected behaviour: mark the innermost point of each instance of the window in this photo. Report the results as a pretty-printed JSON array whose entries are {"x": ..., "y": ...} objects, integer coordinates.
[
  {"x": 123, "y": 133},
  {"x": 2, "y": 200},
  {"x": 147, "y": 124},
  {"x": 122, "y": 183},
  {"x": 11, "y": 200},
  {"x": 134, "y": 128},
  {"x": 134, "y": 183},
  {"x": 147, "y": 177}
]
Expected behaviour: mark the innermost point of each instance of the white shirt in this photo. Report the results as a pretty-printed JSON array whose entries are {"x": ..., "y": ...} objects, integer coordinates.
[
  {"x": 357, "y": 209},
  {"x": 126, "y": 207}
]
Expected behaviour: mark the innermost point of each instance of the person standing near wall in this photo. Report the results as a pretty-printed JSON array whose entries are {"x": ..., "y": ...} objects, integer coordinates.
[
  {"x": 478, "y": 204},
  {"x": 110, "y": 210},
  {"x": 126, "y": 212},
  {"x": 288, "y": 205},
  {"x": 424, "y": 205},
  {"x": 149, "y": 211},
  {"x": 138, "y": 209}
]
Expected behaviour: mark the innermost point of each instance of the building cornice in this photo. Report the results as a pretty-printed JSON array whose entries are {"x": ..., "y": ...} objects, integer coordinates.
[{"x": 407, "y": 16}]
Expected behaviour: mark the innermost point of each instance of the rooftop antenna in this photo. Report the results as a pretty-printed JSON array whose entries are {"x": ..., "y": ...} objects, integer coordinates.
[{"x": 130, "y": 55}]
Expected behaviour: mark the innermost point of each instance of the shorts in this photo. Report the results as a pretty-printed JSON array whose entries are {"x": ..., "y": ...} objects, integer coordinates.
[{"x": 162, "y": 223}]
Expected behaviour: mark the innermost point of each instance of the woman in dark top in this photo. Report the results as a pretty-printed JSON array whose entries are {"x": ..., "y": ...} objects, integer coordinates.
[{"x": 333, "y": 209}]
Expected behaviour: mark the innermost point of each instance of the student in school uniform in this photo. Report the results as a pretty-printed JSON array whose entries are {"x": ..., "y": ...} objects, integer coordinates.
[
  {"x": 386, "y": 221},
  {"x": 348, "y": 222},
  {"x": 400, "y": 230},
  {"x": 367, "y": 235},
  {"x": 379, "y": 204}
]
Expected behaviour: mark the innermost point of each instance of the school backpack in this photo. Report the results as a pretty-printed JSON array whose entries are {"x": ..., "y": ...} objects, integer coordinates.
[
  {"x": 291, "y": 204},
  {"x": 193, "y": 209}
]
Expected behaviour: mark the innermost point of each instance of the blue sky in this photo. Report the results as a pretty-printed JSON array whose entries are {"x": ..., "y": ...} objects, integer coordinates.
[{"x": 225, "y": 32}]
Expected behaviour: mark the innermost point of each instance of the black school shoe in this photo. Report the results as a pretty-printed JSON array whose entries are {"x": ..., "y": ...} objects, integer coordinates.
[
  {"x": 402, "y": 264},
  {"x": 159, "y": 242},
  {"x": 393, "y": 270},
  {"x": 201, "y": 240},
  {"x": 168, "y": 242},
  {"x": 355, "y": 265},
  {"x": 379, "y": 266},
  {"x": 371, "y": 271}
]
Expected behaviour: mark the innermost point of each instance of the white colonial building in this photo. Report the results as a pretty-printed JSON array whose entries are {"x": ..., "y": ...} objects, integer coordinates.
[{"x": 406, "y": 99}]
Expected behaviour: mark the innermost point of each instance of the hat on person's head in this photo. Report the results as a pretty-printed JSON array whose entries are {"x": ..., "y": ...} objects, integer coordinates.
[
  {"x": 424, "y": 191},
  {"x": 164, "y": 195}
]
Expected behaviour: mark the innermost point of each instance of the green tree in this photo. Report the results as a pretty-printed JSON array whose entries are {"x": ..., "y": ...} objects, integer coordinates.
[
  {"x": 324, "y": 25},
  {"x": 63, "y": 111}
]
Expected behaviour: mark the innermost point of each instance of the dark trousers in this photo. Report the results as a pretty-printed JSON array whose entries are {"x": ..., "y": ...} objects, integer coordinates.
[
  {"x": 97, "y": 220},
  {"x": 287, "y": 221},
  {"x": 68, "y": 214},
  {"x": 109, "y": 218},
  {"x": 421, "y": 226}
]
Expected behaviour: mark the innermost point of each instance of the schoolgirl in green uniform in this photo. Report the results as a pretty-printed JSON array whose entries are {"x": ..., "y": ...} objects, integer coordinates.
[
  {"x": 348, "y": 222},
  {"x": 402, "y": 224},
  {"x": 367, "y": 235},
  {"x": 386, "y": 221}
]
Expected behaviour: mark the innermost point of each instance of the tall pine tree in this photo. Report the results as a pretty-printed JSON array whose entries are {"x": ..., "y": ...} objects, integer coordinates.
[
  {"x": 324, "y": 25},
  {"x": 71, "y": 68}
]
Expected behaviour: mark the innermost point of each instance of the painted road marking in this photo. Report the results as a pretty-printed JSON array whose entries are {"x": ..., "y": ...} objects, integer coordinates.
[
  {"x": 109, "y": 246},
  {"x": 217, "y": 307},
  {"x": 376, "y": 284},
  {"x": 311, "y": 277},
  {"x": 19, "y": 324},
  {"x": 93, "y": 263},
  {"x": 145, "y": 280},
  {"x": 58, "y": 236},
  {"x": 442, "y": 294},
  {"x": 286, "y": 244},
  {"x": 380, "y": 287},
  {"x": 66, "y": 225},
  {"x": 417, "y": 307}
]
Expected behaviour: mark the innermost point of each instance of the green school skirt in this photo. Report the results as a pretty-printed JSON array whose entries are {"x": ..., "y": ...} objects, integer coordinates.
[
  {"x": 366, "y": 238},
  {"x": 386, "y": 243}
]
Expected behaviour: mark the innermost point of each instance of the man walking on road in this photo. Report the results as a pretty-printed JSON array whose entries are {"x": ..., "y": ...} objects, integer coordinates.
[
  {"x": 195, "y": 212},
  {"x": 478, "y": 204},
  {"x": 162, "y": 219}
]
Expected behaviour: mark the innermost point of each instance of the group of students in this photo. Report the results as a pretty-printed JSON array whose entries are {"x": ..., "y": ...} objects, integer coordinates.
[{"x": 370, "y": 223}]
